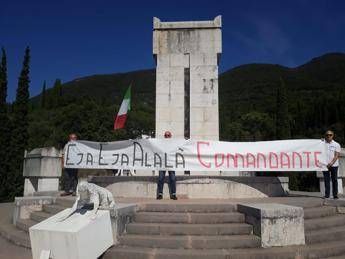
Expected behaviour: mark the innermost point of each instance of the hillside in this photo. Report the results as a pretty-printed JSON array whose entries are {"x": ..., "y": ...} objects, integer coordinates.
[{"x": 316, "y": 98}]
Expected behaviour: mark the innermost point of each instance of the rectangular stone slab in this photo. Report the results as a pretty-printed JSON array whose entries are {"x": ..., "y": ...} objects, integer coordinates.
[
  {"x": 77, "y": 237},
  {"x": 276, "y": 224}
]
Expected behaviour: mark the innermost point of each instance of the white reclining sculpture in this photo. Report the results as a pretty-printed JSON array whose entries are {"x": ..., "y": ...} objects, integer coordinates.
[{"x": 92, "y": 194}]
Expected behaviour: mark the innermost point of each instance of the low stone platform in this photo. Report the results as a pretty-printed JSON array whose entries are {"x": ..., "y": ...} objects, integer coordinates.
[{"x": 196, "y": 187}]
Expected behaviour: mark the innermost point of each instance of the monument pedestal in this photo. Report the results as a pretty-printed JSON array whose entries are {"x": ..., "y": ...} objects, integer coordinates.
[
  {"x": 77, "y": 237},
  {"x": 196, "y": 187},
  {"x": 42, "y": 170}
]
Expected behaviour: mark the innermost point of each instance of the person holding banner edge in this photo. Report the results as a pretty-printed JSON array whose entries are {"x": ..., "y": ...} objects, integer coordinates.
[
  {"x": 172, "y": 179},
  {"x": 333, "y": 151},
  {"x": 70, "y": 174}
]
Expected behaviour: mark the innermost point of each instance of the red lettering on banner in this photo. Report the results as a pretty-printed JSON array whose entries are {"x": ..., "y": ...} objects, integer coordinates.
[
  {"x": 308, "y": 158},
  {"x": 243, "y": 160},
  {"x": 216, "y": 159},
  {"x": 287, "y": 163},
  {"x": 276, "y": 158},
  {"x": 258, "y": 155},
  {"x": 228, "y": 160},
  {"x": 207, "y": 165},
  {"x": 250, "y": 162},
  {"x": 294, "y": 154},
  {"x": 316, "y": 153}
]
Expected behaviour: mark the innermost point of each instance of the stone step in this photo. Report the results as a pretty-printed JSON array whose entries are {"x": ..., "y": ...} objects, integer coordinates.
[
  {"x": 189, "y": 229},
  {"x": 66, "y": 202},
  {"x": 39, "y": 216},
  {"x": 325, "y": 235},
  {"x": 319, "y": 212},
  {"x": 25, "y": 224},
  {"x": 191, "y": 242},
  {"x": 15, "y": 235},
  {"x": 53, "y": 208},
  {"x": 324, "y": 222},
  {"x": 193, "y": 218},
  {"x": 188, "y": 207},
  {"x": 310, "y": 251},
  {"x": 292, "y": 252},
  {"x": 342, "y": 256}
]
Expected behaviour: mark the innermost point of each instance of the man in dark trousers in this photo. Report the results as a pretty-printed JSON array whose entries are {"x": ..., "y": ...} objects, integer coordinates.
[
  {"x": 70, "y": 174},
  {"x": 333, "y": 151},
  {"x": 172, "y": 179}
]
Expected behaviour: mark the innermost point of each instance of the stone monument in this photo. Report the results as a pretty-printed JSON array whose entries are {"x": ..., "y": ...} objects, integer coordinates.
[{"x": 187, "y": 56}]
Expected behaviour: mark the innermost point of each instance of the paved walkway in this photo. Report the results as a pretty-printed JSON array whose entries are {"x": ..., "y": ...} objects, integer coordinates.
[
  {"x": 12, "y": 251},
  {"x": 9, "y": 250}
]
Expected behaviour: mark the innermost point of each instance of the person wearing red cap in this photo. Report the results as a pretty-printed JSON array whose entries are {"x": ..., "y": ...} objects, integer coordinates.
[{"x": 172, "y": 179}]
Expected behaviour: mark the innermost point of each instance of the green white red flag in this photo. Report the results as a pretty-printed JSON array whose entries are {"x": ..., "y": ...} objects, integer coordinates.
[{"x": 121, "y": 117}]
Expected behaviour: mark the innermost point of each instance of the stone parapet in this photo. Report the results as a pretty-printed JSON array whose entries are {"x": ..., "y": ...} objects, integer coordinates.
[
  {"x": 276, "y": 224},
  {"x": 194, "y": 187}
]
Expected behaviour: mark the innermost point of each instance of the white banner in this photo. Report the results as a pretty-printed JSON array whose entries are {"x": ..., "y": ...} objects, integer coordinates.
[{"x": 198, "y": 155}]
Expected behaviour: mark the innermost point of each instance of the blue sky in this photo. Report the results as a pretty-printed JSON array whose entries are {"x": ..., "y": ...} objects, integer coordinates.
[{"x": 71, "y": 39}]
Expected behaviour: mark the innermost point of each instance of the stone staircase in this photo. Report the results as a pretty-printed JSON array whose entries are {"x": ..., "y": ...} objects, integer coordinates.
[
  {"x": 219, "y": 231},
  {"x": 205, "y": 230},
  {"x": 19, "y": 234}
]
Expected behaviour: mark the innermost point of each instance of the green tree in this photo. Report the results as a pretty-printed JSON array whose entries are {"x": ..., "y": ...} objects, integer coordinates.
[
  {"x": 4, "y": 126},
  {"x": 20, "y": 128},
  {"x": 55, "y": 95},
  {"x": 282, "y": 113},
  {"x": 43, "y": 95}
]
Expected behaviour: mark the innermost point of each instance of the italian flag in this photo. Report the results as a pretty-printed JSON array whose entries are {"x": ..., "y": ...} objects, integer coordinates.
[{"x": 122, "y": 114}]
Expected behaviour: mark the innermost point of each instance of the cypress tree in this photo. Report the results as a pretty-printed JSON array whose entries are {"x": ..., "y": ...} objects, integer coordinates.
[
  {"x": 43, "y": 95},
  {"x": 282, "y": 113},
  {"x": 58, "y": 92},
  {"x": 20, "y": 128},
  {"x": 4, "y": 127}
]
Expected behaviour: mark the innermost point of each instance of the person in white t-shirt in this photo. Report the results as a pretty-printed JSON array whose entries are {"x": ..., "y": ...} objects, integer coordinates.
[{"x": 333, "y": 151}]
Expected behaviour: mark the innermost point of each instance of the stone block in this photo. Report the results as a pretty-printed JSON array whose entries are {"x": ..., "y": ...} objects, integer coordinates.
[
  {"x": 33, "y": 185},
  {"x": 203, "y": 59},
  {"x": 23, "y": 206},
  {"x": 276, "y": 224},
  {"x": 124, "y": 215},
  {"x": 78, "y": 236},
  {"x": 42, "y": 162}
]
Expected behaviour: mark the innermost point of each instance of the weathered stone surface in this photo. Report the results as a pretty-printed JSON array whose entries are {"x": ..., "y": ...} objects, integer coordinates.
[
  {"x": 124, "y": 215},
  {"x": 198, "y": 186},
  {"x": 23, "y": 206},
  {"x": 78, "y": 236},
  {"x": 276, "y": 224},
  {"x": 197, "y": 47},
  {"x": 42, "y": 162}
]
